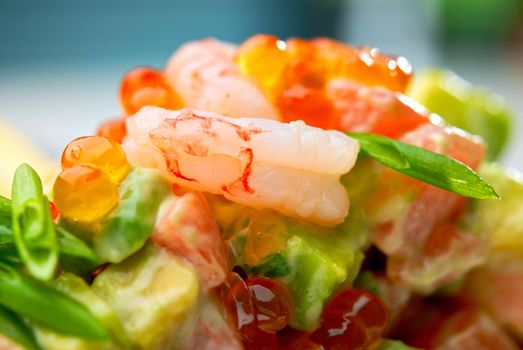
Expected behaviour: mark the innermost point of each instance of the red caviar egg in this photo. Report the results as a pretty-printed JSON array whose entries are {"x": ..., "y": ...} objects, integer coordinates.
[
  {"x": 144, "y": 86},
  {"x": 239, "y": 308},
  {"x": 272, "y": 301},
  {"x": 257, "y": 308},
  {"x": 352, "y": 319}
]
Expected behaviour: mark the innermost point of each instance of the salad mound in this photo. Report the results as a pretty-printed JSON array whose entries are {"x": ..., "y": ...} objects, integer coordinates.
[{"x": 271, "y": 195}]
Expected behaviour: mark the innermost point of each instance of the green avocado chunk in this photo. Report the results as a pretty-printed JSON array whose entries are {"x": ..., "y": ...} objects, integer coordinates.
[
  {"x": 312, "y": 261},
  {"x": 130, "y": 225},
  {"x": 501, "y": 220},
  {"x": 76, "y": 288},
  {"x": 155, "y": 295},
  {"x": 474, "y": 109}
]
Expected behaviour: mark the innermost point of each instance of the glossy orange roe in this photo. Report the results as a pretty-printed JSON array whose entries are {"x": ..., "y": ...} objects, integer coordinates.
[
  {"x": 144, "y": 86},
  {"x": 85, "y": 194},
  {"x": 264, "y": 57},
  {"x": 98, "y": 152},
  {"x": 304, "y": 68},
  {"x": 313, "y": 106},
  {"x": 113, "y": 128},
  {"x": 295, "y": 74},
  {"x": 368, "y": 66},
  {"x": 301, "y": 94}
]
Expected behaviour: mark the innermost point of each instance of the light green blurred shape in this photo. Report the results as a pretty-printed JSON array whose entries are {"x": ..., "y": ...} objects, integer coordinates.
[{"x": 474, "y": 109}]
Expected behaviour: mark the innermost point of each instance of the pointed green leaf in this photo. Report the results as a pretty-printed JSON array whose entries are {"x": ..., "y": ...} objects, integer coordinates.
[{"x": 430, "y": 167}]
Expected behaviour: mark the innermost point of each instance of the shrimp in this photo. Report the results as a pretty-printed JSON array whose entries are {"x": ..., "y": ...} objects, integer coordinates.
[
  {"x": 206, "y": 76},
  {"x": 292, "y": 167},
  {"x": 446, "y": 255}
]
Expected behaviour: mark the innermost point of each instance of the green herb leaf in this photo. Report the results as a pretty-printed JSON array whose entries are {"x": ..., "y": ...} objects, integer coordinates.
[
  {"x": 5, "y": 212},
  {"x": 75, "y": 255},
  {"x": 33, "y": 227},
  {"x": 46, "y": 306},
  {"x": 274, "y": 266},
  {"x": 15, "y": 329},
  {"x": 9, "y": 254},
  {"x": 433, "y": 168},
  {"x": 72, "y": 246}
]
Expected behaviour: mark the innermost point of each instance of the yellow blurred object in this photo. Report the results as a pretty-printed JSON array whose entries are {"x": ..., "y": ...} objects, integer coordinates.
[{"x": 15, "y": 149}]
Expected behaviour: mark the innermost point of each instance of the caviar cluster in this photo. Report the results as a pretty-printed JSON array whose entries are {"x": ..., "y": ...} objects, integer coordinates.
[
  {"x": 296, "y": 73},
  {"x": 87, "y": 188},
  {"x": 260, "y": 309}
]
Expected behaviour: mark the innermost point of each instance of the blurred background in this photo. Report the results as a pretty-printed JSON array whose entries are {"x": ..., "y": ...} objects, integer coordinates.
[{"x": 61, "y": 61}]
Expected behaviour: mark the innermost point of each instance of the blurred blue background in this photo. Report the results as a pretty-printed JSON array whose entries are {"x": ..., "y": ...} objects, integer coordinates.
[{"x": 61, "y": 61}]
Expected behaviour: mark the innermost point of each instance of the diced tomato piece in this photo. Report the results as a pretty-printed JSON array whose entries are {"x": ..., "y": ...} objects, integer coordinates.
[
  {"x": 188, "y": 229},
  {"x": 376, "y": 110},
  {"x": 415, "y": 223},
  {"x": 471, "y": 329},
  {"x": 497, "y": 287}
]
